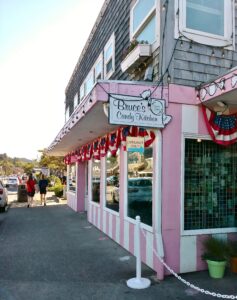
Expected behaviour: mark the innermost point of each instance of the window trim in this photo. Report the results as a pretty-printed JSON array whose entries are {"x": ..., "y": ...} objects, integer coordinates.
[
  {"x": 196, "y": 231},
  {"x": 154, "y": 11},
  {"x": 99, "y": 59},
  {"x": 75, "y": 98},
  {"x": 67, "y": 114},
  {"x": 110, "y": 41},
  {"x": 104, "y": 174},
  {"x": 204, "y": 37}
]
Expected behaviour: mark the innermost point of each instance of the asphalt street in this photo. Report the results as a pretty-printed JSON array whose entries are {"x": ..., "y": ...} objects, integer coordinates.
[{"x": 53, "y": 253}]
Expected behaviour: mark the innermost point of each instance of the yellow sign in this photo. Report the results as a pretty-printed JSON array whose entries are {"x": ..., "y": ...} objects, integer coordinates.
[{"x": 135, "y": 144}]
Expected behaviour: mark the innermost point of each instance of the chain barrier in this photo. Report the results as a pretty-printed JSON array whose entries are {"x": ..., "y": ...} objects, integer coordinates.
[{"x": 203, "y": 291}]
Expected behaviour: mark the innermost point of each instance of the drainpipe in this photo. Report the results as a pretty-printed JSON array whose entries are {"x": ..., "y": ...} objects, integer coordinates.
[{"x": 158, "y": 205}]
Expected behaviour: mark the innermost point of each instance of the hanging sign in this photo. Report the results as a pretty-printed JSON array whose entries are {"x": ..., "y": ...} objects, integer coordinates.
[
  {"x": 140, "y": 111},
  {"x": 135, "y": 144}
]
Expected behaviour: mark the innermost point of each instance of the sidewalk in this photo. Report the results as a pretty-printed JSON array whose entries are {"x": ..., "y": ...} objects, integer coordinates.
[{"x": 53, "y": 253}]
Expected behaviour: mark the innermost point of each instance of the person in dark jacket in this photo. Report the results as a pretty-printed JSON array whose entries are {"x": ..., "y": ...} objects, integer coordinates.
[{"x": 43, "y": 183}]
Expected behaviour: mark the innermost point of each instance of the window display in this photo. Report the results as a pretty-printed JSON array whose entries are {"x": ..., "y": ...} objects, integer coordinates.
[
  {"x": 140, "y": 171},
  {"x": 72, "y": 178},
  {"x": 112, "y": 181},
  {"x": 210, "y": 186},
  {"x": 96, "y": 180}
]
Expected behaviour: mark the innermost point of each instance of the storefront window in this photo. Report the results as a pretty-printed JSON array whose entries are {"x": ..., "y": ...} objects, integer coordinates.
[
  {"x": 112, "y": 181},
  {"x": 96, "y": 180},
  {"x": 72, "y": 177},
  {"x": 140, "y": 173},
  {"x": 210, "y": 187}
]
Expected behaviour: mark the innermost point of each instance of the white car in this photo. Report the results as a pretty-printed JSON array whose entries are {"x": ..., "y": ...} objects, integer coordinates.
[
  {"x": 139, "y": 190},
  {"x": 12, "y": 184},
  {"x": 3, "y": 197}
]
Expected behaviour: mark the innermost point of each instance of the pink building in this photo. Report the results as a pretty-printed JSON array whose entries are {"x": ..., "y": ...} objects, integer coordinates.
[{"x": 144, "y": 135}]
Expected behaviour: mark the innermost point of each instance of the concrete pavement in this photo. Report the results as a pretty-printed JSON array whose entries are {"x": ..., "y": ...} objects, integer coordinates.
[{"x": 49, "y": 253}]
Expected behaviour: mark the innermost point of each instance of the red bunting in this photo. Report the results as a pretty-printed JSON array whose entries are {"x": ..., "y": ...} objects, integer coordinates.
[{"x": 110, "y": 142}]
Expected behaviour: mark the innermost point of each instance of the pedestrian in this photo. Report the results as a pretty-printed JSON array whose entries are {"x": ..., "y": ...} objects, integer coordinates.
[
  {"x": 30, "y": 188},
  {"x": 43, "y": 183}
]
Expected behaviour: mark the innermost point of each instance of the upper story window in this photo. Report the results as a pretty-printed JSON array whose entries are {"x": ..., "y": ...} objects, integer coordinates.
[
  {"x": 67, "y": 114},
  {"x": 89, "y": 83},
  {"x": 207, "y": 22},
  {"x": 98, "y": 69},
  {"x": 143, "y": 21},
  {"x": 109, "y": 58},
  {"x": 82, "y": 91},
  {"x": 75, "y": 101}
]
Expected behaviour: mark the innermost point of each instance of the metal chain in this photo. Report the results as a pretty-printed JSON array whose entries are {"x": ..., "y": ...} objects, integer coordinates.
[{"x": 218, "y": 295}]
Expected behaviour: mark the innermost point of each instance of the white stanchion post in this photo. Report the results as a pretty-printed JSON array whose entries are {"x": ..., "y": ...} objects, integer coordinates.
[{"x": 138, "y": 282}]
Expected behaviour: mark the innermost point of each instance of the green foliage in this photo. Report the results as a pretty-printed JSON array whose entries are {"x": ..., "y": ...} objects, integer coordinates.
[
  {"x": 58, "y": 190},
  {"x": 55, "y": 164},
  {"x": 15, "y": 165},
  {"x": 215, "y": 249}
]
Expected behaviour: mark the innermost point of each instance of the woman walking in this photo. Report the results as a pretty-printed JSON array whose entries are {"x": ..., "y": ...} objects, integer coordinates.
[
  {"x": 43, "y": 183},
  {"x": 30, "y": 187}
]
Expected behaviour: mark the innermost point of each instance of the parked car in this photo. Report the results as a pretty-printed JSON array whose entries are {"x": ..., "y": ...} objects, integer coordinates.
[
  {"x": 3, "y": 197},
  {"x": 139, "y": 189},
  {"x": 12, "y": 184}
]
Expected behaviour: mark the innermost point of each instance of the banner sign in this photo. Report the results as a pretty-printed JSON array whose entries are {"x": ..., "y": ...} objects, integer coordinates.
[
  {"x": 135, "y": 144},
  {"x": 140, "y": 111}
]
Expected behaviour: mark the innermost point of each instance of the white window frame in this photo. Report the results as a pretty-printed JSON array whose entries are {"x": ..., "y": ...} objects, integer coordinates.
[
  {"x": 196, "y": 231},
  {"x": 75, "y": 101},
  {"x": 99, "y": 60},
  {"x": 82, "y": 91},
  {"x": 110, "y": 41},
  {"x": 90, "y": 75},
  {"x": 67, "y": 114},
  {"x": 154, "y": 11},
  {"x": 204, "y": 37}
]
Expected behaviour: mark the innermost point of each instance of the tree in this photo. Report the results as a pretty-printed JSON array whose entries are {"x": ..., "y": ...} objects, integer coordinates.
[{"x": 54, "y": 163}]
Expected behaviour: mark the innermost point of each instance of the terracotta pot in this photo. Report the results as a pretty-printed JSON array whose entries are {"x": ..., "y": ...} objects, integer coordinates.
[{"x": 233, "y": 264}]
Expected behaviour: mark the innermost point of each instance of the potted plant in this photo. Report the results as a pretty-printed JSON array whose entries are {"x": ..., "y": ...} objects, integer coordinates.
[
  {"x": 233, "y": 255},
  {"x": 216, "y": 255}
]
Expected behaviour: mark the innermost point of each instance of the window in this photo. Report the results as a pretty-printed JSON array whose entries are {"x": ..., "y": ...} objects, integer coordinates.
[
  {"x": 109, "y": 60},
  {"x": 75, "y": 101},
  {"x": 82, "y": 91},
  {"x": 89, "y": 83},
  {"x": 72, "y": 177},
  {"x": 210, "y": 185},
  {"x": 96, "y": 180},
  {"x": 143, "y": 21},
  {"x": 206, "y": 21},
  {"x": 98, "y": 69},
  {"x": 112, "y": 181},
  {"x": 140, "y": 182},
  {"x": 67, "y": 114}
]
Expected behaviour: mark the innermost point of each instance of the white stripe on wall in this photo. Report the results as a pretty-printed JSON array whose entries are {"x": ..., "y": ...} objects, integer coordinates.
[
  {"x": 189, "y": 118},
  {"x": 110, "y": 225},
  {"x": 126, "y": 235},
  {"x": 188, "y": 254},
  {"x": 117, "y": 237},
  {"x": 149, "y": 247},
  {"x": 94, "y": 214},
  {"x": 98, "y": 218},
  {"x": 104, "y": 221}
]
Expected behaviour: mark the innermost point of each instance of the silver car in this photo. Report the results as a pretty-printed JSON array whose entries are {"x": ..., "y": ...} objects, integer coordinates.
[{"x": 3, "y": 197}]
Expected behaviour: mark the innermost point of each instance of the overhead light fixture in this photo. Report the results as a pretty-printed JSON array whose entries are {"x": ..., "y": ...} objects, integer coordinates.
[
  {"x": 221, "y": 103},
  {"x": 199, "y": 140}
]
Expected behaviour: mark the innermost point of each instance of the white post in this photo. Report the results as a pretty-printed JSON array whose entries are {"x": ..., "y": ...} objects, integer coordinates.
[{"x": 138, "y": 282}]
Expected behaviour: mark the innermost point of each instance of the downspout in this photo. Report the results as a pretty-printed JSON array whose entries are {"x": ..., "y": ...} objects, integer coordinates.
[{"x": 158, "y": 205}]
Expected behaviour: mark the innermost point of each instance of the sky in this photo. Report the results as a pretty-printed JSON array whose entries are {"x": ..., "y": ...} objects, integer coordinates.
[{"x": 40, "y": 43}]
